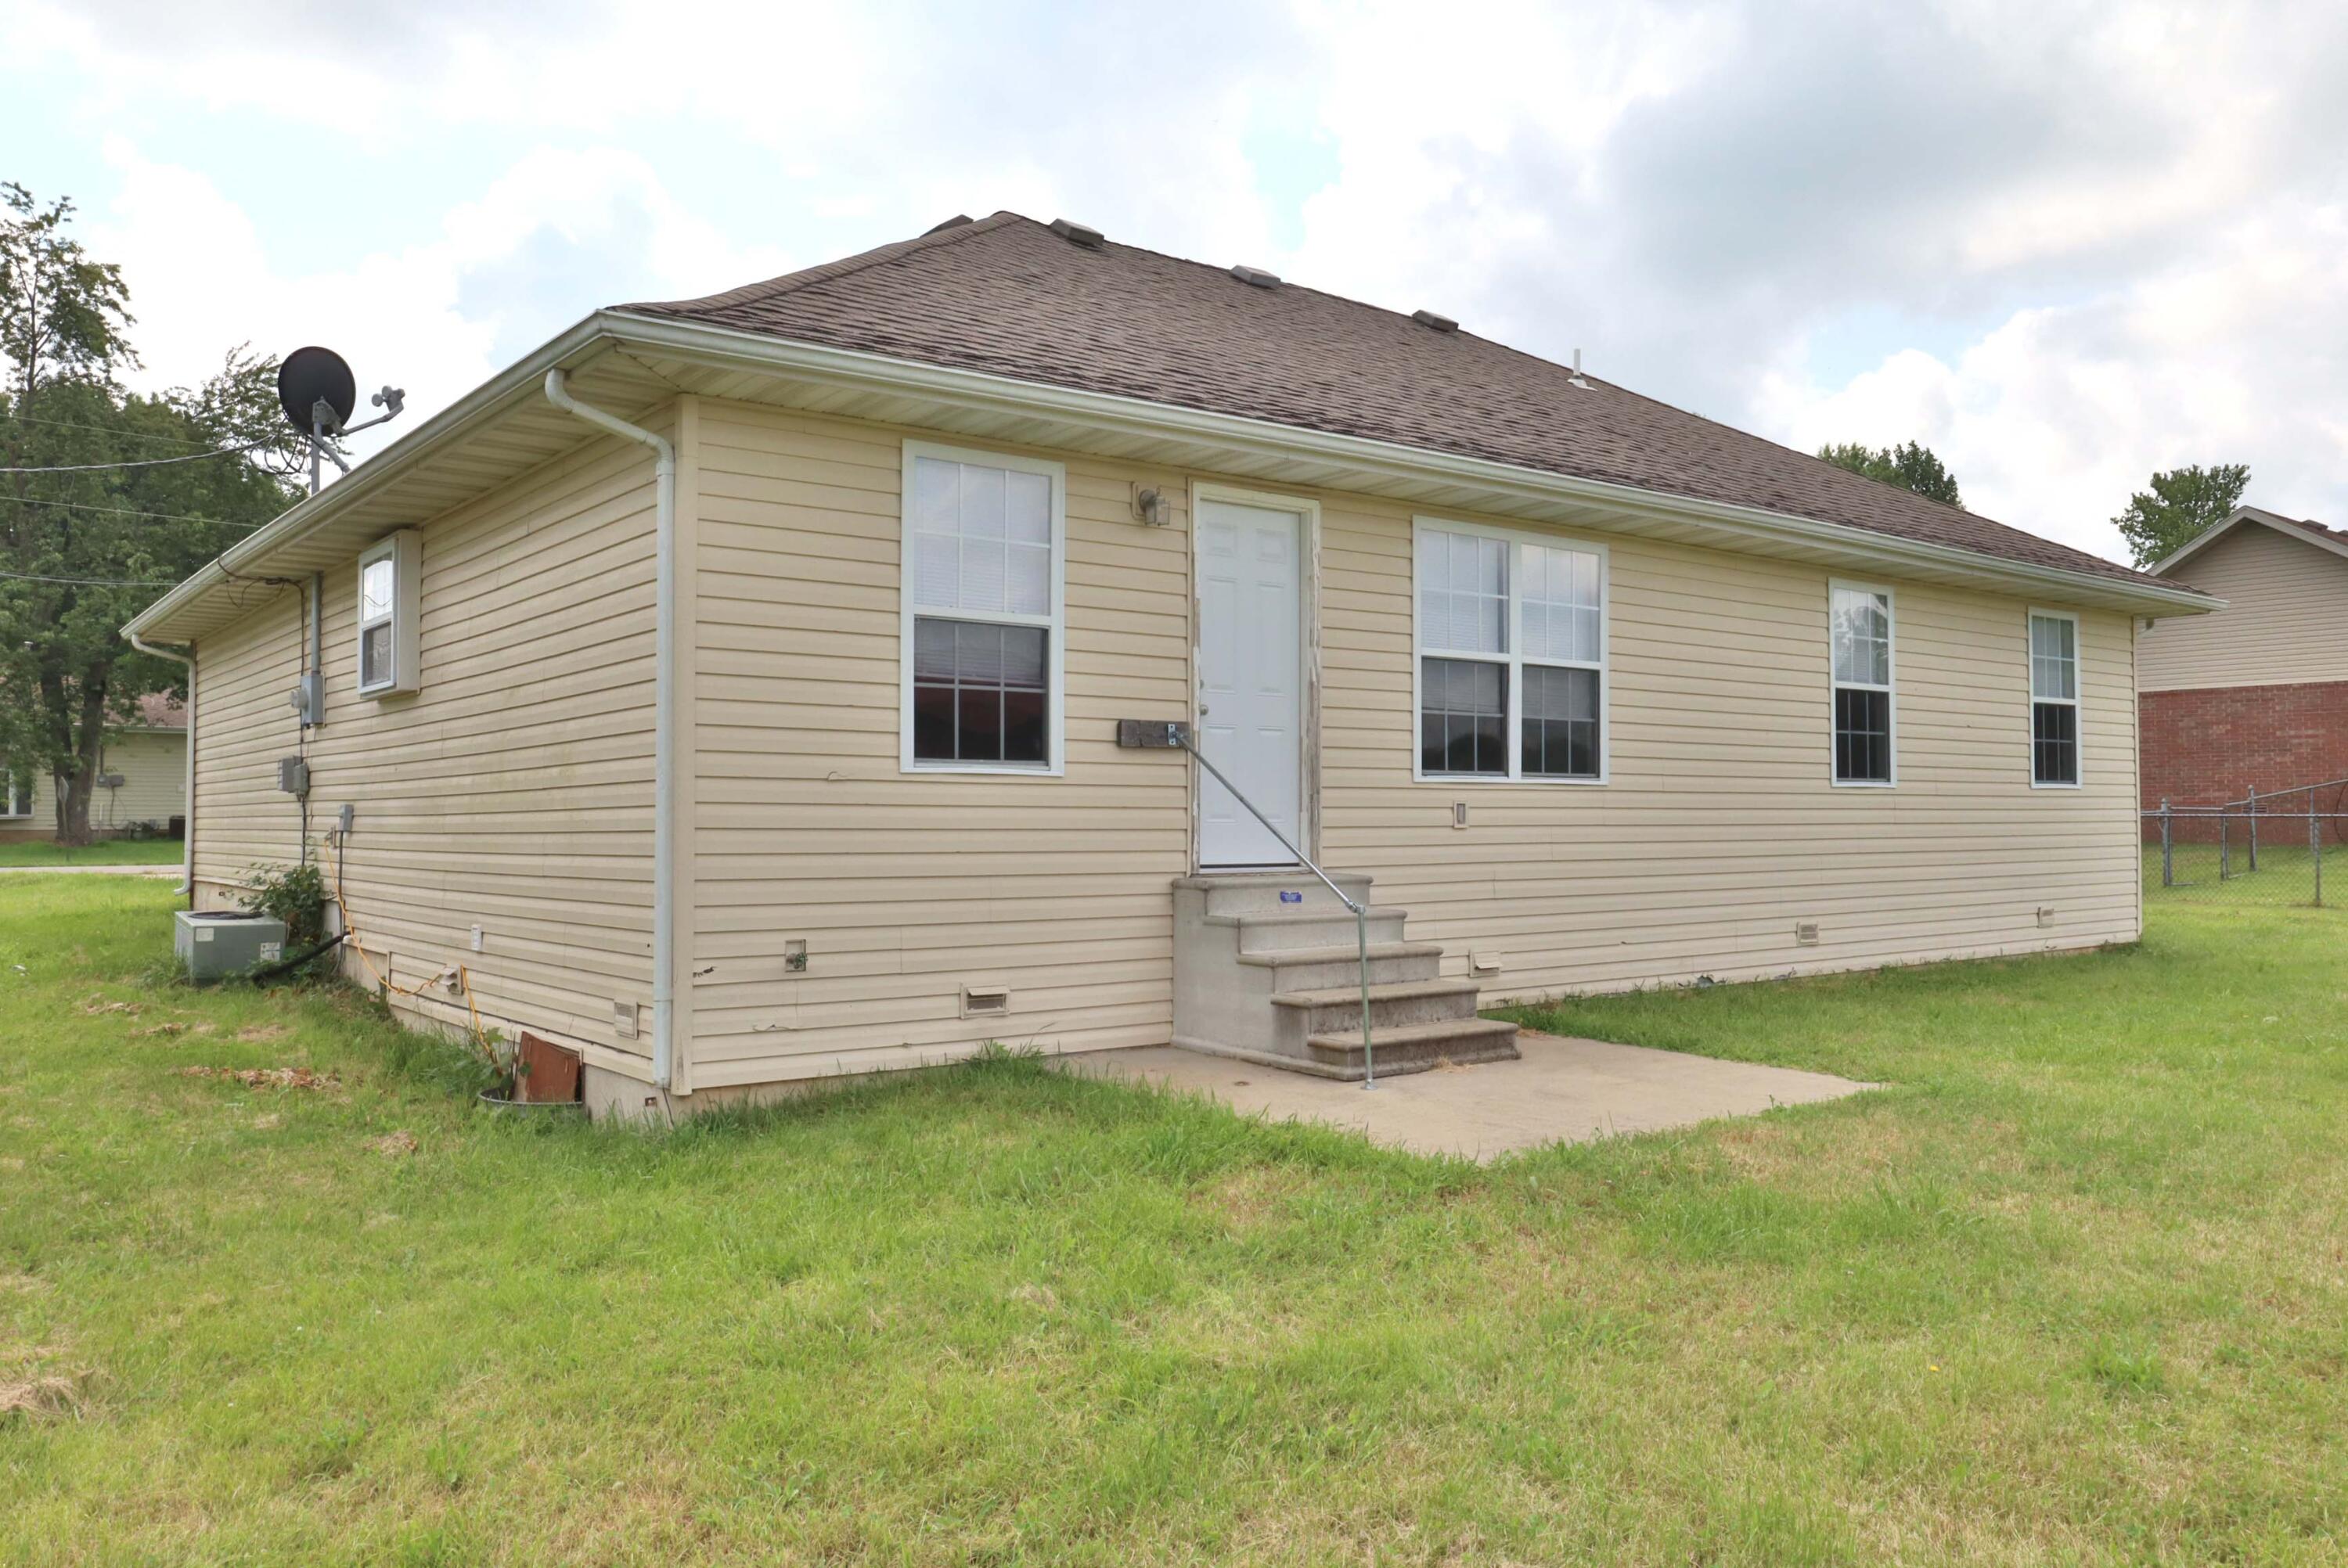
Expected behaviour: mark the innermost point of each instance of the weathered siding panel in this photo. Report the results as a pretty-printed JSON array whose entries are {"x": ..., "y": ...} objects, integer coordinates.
[
  {"x": 513, "y": 791},
  {"x": 154, "y": 768},
  {"x": 907, "y": 888},
  {"x": 153, "y": 765},
  {"x": 2285, "y": 620},
  {"x": 1719, "y": 831}
]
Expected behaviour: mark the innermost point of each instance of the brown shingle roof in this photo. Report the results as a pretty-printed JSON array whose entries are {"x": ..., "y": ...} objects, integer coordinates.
[
  {"x": 1008, "y": 296},
  {"x": 161, "y": 710}
]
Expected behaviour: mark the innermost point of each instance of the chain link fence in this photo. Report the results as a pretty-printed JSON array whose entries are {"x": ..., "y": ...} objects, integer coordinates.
[{"x": 2288, "y": 847}]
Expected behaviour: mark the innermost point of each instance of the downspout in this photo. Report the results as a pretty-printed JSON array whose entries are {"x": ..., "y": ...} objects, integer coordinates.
[
  {"x": 663, "y": 706},
  {"x": 188, "y": 840}
]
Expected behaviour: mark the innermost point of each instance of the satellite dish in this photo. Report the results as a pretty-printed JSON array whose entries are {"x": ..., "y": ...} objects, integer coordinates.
[{"x": 312, "y": 376}]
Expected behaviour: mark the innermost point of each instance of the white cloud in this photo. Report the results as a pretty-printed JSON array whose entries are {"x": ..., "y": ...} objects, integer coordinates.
[
  {"x": 436, "y": 317},
  {"x": 2050, "y": 420},
  {"x": 2063, "y": 245}
]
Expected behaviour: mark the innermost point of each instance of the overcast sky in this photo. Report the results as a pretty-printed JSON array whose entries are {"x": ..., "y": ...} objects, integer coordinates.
[{"x": 2063, "y": 245}]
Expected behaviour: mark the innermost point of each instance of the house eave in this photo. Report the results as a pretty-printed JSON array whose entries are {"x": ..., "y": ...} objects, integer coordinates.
[
  {"x": 1361, "y": 464},
  {"x": 256, "y": 556},
  {"x": 644, "y": 358},
  {"x": 2287, "y": 527}
]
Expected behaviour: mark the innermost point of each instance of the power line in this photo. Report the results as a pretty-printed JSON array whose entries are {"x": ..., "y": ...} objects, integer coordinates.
[
  {"x": 106, "y": 430},
  {"x": 127, "y": 511},
  {"x": 84, "y": 582},
  {"x": 147, "y": 462}
]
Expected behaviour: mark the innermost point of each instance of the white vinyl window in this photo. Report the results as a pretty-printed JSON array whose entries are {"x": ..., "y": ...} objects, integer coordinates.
[
  {"x": 1865, "y": 723},
  {"x": 2054, "y": 700},
  {"x": 387, "y": 616},
  {"x": 15, "y": 791},
  {"x": 1511, "y": 655},
  {"x": 982, "y": 612}
]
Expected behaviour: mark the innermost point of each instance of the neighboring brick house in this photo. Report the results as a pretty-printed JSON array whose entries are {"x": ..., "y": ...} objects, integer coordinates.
[{"x": 2255, "y": 696}]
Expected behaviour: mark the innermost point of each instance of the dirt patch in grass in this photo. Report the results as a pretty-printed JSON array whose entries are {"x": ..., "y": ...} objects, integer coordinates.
[
  {"x": 40, "y": 1397},
  {"x": 169, "y": 1030},
  {"x": 269, "y": 1077},
  {"x": 95, "y": 1004},
  {"x": 261, "y": 1033},
  {"x": 1247, "y": 1197},
  {"x": 32, "y": 1387},
  {"x": 402, "y": 1142}
]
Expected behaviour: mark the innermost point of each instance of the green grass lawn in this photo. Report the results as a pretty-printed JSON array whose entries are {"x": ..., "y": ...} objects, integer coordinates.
[
  {"x": 2072, "y": 1288},
  {"x": 110, "y": 852}
]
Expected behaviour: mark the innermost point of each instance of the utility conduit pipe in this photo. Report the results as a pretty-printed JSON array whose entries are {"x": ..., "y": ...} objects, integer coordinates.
[{"x": 188, "y": 810}]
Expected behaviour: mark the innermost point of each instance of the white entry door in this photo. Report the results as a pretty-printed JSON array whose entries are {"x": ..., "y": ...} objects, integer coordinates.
[{"x": 1251, "y": 679}]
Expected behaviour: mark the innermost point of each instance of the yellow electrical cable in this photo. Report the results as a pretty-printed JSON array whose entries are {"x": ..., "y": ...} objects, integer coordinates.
[{"x": 464, "y": 976}]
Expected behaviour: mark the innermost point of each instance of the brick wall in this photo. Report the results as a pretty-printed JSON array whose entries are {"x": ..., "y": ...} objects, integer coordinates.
[{"x": 2205, "y": 747}]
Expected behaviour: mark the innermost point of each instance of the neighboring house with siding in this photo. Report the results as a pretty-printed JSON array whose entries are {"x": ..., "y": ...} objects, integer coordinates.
[
  {"x": 777, "y": 733},
  {"x": 142, "y": 779},
  {"x": 2255, "y": 696}
]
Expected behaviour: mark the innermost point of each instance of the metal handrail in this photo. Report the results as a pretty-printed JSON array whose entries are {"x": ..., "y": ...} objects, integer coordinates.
[{"x": 1361, "y": 911}]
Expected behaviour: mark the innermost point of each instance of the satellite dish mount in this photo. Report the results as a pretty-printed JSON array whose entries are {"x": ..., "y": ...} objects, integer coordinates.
[{"x": 318, "y": 392}]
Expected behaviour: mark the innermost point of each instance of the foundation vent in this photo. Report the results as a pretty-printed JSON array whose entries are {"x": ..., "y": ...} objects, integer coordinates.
[
  {"x": 986, "y": 1001},
  {"x": 1806, "y": 933}
]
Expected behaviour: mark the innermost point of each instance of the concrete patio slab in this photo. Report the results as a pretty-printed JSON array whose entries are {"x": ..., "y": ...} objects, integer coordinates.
[{"x": 1562, "y": 1092}]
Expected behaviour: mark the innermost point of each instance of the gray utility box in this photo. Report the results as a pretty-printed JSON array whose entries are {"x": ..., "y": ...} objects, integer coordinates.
[{"x": 220, "y": 943}]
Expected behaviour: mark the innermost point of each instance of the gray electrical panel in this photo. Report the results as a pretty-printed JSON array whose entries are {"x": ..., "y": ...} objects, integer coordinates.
[
  {"x": 308, "y": 699},
  {"x": 294, "y": 776},
  {"x": 217, "y": 944}
]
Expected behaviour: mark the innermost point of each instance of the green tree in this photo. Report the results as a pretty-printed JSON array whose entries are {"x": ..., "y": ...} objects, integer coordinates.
[
  {"x": 1912, "y": 466},
  {"x": 2181, "y": 504},
  {"x": 86, "y": 539}
]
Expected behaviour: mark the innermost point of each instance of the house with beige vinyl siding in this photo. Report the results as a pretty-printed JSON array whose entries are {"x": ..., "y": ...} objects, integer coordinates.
[
  {"x": 141, "y": 779},
  {"x": 2255, "y": 696},
  {"x": 805, "y": 681}
]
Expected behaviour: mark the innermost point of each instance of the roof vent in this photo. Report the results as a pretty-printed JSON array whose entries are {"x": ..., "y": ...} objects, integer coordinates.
[
  {"x": 1256, "y": 277},
  {"x": 1077, "y": 234},
  {"x": 956, "y": 221},
  {"x": 1430, "y": 319},
  {"x": 1575, "y": 379}
]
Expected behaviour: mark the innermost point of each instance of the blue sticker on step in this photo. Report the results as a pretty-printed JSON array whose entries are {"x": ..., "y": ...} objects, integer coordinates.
[{"x": 1288, "y": 897}]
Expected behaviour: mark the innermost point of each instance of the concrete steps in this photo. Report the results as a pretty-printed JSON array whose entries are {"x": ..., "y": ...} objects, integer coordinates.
[
  {"x": 1268, "y": 932},
  {"x": 1417, "y": 1047},
  {"x": 1326, "y": 969},
  {"x": 1267, "y": 968}
]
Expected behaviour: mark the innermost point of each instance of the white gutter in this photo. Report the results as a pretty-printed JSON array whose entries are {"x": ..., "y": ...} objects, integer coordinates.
[
  {"x": 188, "y": 839},
  {"x": 1140, "y": 416},
  {"x": 664, "y": 760},
  {"x": 411, "y": 450},
  {"x": 736, "y": 349}
]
